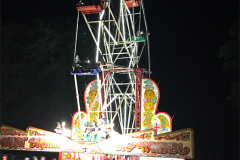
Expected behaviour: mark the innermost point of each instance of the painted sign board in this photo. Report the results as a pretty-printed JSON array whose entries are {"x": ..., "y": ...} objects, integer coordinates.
[
  {"x": 80, "y": 156},
  {"x": 177, "y": 144},
  {"x": 156, "y": 158},
  {"x": 34, "y": 139}
]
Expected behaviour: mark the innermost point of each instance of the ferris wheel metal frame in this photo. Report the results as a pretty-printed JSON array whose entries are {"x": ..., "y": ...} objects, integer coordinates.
[{"x": 122, "y": 50}]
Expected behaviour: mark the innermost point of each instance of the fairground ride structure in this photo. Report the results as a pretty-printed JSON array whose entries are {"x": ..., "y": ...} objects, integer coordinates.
[{"x": 121, "y": 41}]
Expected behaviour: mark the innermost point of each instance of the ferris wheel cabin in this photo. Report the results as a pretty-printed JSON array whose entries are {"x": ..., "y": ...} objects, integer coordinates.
[
  {"x": 132, "y": 3},
  {"x": 87, "y": 7},
  {"x": 84, "y": 69}
]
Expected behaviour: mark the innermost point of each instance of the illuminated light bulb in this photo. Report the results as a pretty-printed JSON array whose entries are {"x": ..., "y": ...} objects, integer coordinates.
[
  {"x": 112, "y": 124},
  {"x": 63, "y": 124},
  {"x": 67, "y": 132}
]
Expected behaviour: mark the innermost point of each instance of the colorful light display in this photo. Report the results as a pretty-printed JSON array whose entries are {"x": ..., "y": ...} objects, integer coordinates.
[{"x": 177, "y": 144}]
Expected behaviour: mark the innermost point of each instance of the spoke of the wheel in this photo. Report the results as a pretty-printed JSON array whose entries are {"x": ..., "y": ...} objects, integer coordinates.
[
  {"x": 131, "y": 56},
  {"x": 148, "y": 45},
  {"x": 109, "y": 83},
  {"x": 89, "y": 27},
  {"x": 130, "y": 110},
  {"x": 119, "y": 31},
  {"x": 119, "y": 116},
  {"x": 125, "y": 114},
  {"x": 77, "y": 97},
  {"x": 121, "y": 101},
  {"x": 98, "y": 94},
  {"x": 142, "y": 50}
]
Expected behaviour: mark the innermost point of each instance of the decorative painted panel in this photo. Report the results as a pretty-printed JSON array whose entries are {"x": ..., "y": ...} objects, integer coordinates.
[
  {"x": 150, "y": 96},
  {"x": 90, "y": 127},
  {"x": 91, "y": 98}
]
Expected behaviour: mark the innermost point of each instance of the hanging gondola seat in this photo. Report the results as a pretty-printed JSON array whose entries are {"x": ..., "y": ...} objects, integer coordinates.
[
  {"x": 140, "y": 38},
  {"x": 90, "y": 9},
  {"x": 92, "y": 69},
  {"x": 80, "y": 73},
  {"x": 133, "y": 3}
]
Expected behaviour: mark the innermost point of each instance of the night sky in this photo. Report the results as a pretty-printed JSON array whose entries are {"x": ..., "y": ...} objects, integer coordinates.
[{"x": 185, "y": 40}]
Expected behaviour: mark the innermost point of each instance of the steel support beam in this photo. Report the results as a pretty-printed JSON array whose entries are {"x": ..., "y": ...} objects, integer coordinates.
[{"x": 138, "y": 72}]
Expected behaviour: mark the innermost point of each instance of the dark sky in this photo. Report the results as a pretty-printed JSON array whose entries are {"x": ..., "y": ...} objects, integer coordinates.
[{"x": 185, "y": 41}]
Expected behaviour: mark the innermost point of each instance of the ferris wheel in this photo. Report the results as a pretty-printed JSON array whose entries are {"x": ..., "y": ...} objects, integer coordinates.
[{"x": 122, "y": 43}]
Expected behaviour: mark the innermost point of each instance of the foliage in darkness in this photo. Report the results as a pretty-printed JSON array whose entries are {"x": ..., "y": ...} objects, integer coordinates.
[
  {"x": 230, "y": 53},
  {"x": 36, "y": 60}
]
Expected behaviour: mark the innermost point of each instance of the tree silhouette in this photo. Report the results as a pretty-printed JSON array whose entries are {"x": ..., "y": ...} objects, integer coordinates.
[
  {"x": 230, "y": 53},
  {"x": 36, "y": 63}
]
